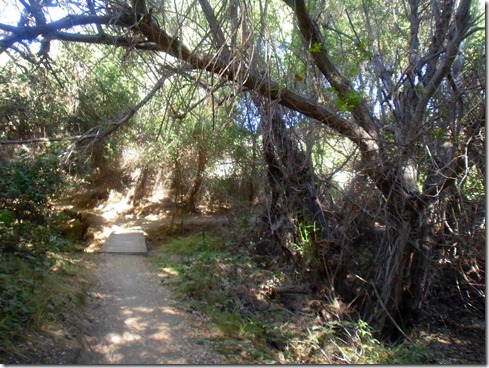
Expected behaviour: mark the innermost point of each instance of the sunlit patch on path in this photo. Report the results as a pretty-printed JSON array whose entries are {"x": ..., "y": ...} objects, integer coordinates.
[{"x": 125, "y": 241}]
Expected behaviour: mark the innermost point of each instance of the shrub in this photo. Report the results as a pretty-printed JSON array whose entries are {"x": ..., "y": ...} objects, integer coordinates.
[{"x": 35, "y": 279}]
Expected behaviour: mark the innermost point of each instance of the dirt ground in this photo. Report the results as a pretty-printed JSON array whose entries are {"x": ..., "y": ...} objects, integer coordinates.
[
  {"x": 132, "y": 317},
  {"x": 135, "y": 320}
]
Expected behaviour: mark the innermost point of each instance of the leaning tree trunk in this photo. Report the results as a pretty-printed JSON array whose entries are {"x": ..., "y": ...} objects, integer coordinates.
[
  {"x": 402, "y": 266},
  {"x": 290, "y": 175},
  {"x": 191, "y": 202},
  {"x": 140, "y": 190}
]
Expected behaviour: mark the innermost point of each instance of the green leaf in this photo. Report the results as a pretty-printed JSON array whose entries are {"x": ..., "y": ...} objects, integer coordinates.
[
  {"x": 350, "y": 102},
  {"x": 440, "y": 134},
  {"x": 317, "y": 47},
  {"x": 6, "y": 217}
]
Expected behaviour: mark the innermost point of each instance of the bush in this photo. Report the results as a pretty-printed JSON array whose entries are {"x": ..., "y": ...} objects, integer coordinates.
[
  {"x": 225, "y": 284},
  {"x": 35, "y": 279},
  {"x": 26, "y": 185},
  {"x": 34, "y": 291}
]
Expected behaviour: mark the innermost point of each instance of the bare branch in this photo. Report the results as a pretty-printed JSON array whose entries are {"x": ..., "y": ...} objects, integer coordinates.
[
  {"x": 31, "y": 33},
  {"x": 104, "y": 39},
  {"x": 93, "y": 12},
  {"x": 456, "y": 35},
  {"x": 217, "y": 33},
  {"x": 43, "y": 140}
]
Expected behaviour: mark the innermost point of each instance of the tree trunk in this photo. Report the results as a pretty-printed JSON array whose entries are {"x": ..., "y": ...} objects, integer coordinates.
[
  {"x": 390, "y": 270},
  {"x": 420, "y": 261},
  {"x": 401, "y": 265},
  {"x": 293, "y": 196},
  {"x": 191, "y": 202},
  {"x": 140, "y": 189}
]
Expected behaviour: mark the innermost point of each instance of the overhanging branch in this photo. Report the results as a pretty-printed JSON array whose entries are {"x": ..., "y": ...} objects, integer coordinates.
[
  {"x": 318, "y": 50},
  {"x": 99, "y": 132},
  {"x": 42, "y": 140},
  {"x": 104, "y": 39},
  {"x": 70, "y": 21},
  {"x": 156, "y": 38},
  {"x": 17, "y": 34}
]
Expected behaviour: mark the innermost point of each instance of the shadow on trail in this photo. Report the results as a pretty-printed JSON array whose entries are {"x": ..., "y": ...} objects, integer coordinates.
[{"x": 134, "y": 319}]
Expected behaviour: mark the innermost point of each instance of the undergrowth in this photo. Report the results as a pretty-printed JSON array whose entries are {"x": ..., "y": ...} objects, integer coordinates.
[
  {"x": 227, "y": 285},
  {"x": 36, "y": 292},
  {"x": 40, "y": 276}
]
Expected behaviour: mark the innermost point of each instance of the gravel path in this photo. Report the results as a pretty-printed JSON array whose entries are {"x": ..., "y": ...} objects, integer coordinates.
[{"x": 135, "y": 320}]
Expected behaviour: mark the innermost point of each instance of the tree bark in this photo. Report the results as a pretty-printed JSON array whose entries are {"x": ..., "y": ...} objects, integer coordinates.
[
  {"x": 191, "y": 202},
  {"x": 291, "y": 180},
  {"x": 140, "y": 189}
]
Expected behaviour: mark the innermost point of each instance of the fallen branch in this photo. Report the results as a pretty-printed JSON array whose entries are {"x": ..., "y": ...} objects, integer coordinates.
[
  {"x": 41, "y": 140},
  {"x": 289, "y": 289}
]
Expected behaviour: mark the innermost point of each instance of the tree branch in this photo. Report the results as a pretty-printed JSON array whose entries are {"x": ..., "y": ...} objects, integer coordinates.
[
  {"x": 174, "y": 47},
  {"x": 31, "y": 33},
  {"x": 217, "y": 33},
  {"x": 313, "y": 38},
  {"x": 317, "y": 48},
  {"x": 104, "y": 39},
  {"x": 456, "y": 35},
  {"x": 44, "y": 140},
  {"x": 95, "y": 134}
]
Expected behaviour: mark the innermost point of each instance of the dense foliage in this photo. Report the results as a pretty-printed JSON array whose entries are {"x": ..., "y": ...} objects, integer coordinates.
[{"x": 32, "y": 245}]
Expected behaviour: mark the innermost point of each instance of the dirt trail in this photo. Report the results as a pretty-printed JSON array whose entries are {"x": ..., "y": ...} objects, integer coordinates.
[{"x": 135, "y": 320}]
